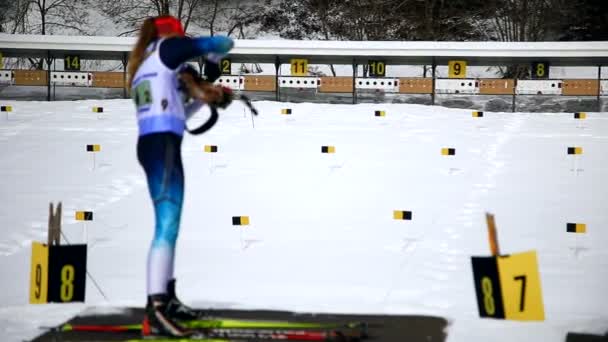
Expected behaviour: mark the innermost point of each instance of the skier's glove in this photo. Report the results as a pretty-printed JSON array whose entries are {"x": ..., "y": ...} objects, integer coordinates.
[{"x": 225, "y": 99}]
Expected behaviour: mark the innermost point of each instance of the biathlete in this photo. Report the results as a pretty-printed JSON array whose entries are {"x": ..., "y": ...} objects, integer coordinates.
[{"x": 167, "y": 92}]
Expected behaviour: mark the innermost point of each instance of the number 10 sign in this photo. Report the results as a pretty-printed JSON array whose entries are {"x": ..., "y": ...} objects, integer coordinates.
[{"x": 508, "y": 287}]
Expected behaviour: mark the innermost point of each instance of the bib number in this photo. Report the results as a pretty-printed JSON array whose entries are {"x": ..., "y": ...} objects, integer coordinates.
[{"x": 143, "y": 96}]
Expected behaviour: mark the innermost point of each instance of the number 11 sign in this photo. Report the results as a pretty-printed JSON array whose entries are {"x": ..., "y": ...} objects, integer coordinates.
[{"x": 299, "y": 67}]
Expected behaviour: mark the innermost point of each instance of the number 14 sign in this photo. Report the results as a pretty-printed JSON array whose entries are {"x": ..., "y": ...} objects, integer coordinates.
[{"x": 508, "y": 287}]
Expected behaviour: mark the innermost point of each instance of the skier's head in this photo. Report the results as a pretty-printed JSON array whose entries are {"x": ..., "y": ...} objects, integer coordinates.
[
  {"x": 168, "y": 26},
  {"x": 151, "y": 29}
]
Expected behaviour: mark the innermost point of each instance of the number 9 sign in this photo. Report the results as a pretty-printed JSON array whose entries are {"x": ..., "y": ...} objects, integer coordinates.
[
  {"x": 508, "y": 287},
  {"x": 457, "y": 69}
]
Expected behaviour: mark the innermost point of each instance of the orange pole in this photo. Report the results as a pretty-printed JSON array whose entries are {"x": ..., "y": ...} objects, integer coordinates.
[{"x": 492, "y": 235}]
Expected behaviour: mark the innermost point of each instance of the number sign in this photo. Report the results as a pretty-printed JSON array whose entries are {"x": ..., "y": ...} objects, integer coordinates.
[
  {"x": 540, "y": 70},
  {"x": 71, "y": 63},
  {"x": 508, "y": 287},
  {"x": 226, "y": 66},
  {"x": 299, "y": 67},
  {"x": 58, "y": 273},
  {"x": 457, "y": 69},
  {"x": 377, "y": 68}
]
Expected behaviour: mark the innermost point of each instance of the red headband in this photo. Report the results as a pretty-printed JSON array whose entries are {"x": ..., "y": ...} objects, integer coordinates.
[{"x": 168, "y": 24}]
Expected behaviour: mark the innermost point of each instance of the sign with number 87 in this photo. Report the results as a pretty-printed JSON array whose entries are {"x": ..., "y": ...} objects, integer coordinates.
[{"x": 508, "y": 287}]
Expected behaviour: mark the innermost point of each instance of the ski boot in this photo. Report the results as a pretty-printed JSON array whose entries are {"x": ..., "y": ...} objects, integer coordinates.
[
  {"x": 177, "y": 310},
  {"x": 157, "y": 323}
]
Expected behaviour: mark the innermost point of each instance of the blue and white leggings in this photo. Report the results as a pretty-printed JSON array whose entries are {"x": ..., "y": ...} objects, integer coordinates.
[{"x": 160, "y": 156}]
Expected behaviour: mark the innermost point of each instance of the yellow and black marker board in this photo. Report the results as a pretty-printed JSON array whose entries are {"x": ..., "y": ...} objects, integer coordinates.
[
  {"x": 402, "y": 215},
  {"x": 93, "y": 148},
  {"x": 39, "y": 273},
  {"x": 328, "y": 149},
  {"x": 84, "y": 216},
  {"x": 457, "y": 69},
  {"x": 376, "y": 68},
  {"x": 508, "y": 287},
  {"x": 576, "y": 228},
  {"x": 211, "y": 148},
  {"x": 240, "y": 220},
  {"x": 580, "y": 115},
  {"x": 226, "y": 66},
  {"x": 299, "y": 67},
  {"x": 448, "y": 151},
  {"x": 286, "y": 111},
  {"x": 71, "y": 63},
  {"x": 380, "y": 113},
  {"x": 6, "y": 109},
  {"x": 98, "y": 109},
  {"x": 58, "y": 273},
  {"x": 575, "y": 150},
  {"x": 540, "y": 70},
  {"x": 477, "y": 114}
]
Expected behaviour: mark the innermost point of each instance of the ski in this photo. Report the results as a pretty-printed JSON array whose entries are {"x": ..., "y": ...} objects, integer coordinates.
[
  {"x": 161, "y": 339},
  {"x": 232, "y": 329},
  {"x": 230, "y": 335},
  {"x": 288, "y": 335},
  {"x": 219, "y": 324}
]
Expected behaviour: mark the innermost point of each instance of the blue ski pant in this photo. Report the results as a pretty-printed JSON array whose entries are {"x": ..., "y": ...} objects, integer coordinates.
[{"x": 160, "y": 156}]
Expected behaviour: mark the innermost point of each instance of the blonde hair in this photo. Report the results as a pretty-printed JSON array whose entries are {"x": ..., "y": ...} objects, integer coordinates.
[{"x": 147, "y": 34}]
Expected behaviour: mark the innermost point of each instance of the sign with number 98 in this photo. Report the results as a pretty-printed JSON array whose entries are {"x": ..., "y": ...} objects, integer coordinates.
[{"x": 58, "y": 273}]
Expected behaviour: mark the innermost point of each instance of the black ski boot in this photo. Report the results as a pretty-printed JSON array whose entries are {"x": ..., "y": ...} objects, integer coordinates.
[
  {"x": 157, "y": 323},
  {"x": 177, "y": 310}
]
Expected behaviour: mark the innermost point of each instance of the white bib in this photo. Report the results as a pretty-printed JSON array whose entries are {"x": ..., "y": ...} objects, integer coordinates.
[{"x": 159, "y": 103}]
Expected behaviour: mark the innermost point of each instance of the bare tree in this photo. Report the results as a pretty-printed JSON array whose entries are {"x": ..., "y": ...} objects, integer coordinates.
[
  {"x": 48, "y": 16},
  {"x": 131, "y": 13},
  {"x": 12, "y": 15},
  {"x": 231, "y": 17},
  {"x": 43, "y": 17},
  {"x": 526, "y": 20}
]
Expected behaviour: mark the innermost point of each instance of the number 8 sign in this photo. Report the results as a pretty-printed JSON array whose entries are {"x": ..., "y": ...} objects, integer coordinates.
[
  {"x": 540, "y": 70},
  {"x": 508, "y": 287}
]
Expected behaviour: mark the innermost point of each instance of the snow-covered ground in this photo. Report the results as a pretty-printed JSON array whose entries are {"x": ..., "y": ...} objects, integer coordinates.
[{"x": 322, "y": 234}]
